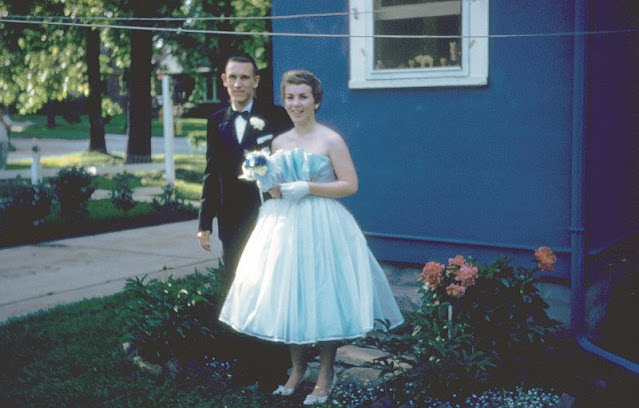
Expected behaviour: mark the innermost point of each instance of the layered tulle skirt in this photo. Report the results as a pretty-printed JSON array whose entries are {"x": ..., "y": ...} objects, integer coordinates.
[{"x": 307, "y": 275}]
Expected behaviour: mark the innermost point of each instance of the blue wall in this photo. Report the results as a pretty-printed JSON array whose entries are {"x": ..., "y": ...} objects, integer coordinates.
[{"x": 480, "y": 171}]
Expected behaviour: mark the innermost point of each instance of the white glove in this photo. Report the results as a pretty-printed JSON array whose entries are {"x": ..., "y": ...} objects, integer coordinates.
[{"x": 294, "y": 190}]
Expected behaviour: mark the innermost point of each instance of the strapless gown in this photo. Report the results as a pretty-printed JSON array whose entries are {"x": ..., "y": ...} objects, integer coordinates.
[{"x": 306, "y": 274}]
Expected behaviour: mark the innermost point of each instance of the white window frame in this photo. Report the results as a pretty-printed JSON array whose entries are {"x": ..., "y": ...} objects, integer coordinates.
[{"x": 474, "y": 51}]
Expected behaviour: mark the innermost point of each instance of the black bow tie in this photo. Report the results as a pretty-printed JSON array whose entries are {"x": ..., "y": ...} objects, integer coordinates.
[{"x": 244, "y": 114}]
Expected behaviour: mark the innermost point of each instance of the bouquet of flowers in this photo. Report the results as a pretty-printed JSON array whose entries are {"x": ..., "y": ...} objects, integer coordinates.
[
  {"x": 262, "y": 167},
  {"x": 255, "y": 164}
]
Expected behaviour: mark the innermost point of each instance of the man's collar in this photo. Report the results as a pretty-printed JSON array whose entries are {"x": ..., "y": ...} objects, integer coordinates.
[{"x": 247, "y": 108}]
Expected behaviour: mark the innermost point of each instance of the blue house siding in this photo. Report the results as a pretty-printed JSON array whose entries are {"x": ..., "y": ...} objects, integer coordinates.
[{"x": 481, "y": 171}]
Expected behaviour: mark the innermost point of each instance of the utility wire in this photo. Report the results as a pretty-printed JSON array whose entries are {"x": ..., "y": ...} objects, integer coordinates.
[
  {"x": 182, "y": 30},
  {"x": 207, "y": 18}
]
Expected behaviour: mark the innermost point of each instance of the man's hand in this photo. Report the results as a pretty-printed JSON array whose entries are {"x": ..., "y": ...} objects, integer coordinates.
[{"x": 205, "y": 239}]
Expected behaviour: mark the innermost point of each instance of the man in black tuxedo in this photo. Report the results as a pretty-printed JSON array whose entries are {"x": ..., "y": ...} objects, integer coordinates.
[
  {"x": 245, "y": 125},
  {"x": 233, "y": 201}
]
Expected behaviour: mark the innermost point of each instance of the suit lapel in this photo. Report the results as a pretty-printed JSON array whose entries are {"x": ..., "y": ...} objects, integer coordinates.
[
  {"x": 227, "y": 130},
  {"x": 250, "y": 133}
]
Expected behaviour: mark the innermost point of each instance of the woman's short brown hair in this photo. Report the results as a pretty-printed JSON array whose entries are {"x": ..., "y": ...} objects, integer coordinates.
[{"x": 299, "y": 77}]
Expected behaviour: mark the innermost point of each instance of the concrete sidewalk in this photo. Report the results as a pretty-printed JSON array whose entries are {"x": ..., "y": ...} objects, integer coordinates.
[{"x": 36, "y": 277}]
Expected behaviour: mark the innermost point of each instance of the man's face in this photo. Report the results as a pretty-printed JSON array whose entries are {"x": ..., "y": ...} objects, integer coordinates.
[{"x": 240, "y": 82}]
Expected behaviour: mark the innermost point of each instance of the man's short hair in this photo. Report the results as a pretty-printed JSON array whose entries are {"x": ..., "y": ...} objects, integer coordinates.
[{"x": 244, "y": 58}]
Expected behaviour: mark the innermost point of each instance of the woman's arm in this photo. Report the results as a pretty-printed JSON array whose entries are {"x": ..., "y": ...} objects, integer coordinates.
[{"x": 347, "y": 183}]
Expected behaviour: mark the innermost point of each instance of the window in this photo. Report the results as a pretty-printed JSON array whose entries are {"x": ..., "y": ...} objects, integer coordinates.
[{"x": 418, "y": 43}]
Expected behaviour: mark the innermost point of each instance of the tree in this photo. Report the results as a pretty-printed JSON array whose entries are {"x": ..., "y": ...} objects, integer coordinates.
[
  {"x": 44, "y": 63},
  {"x": 97, "y": 140},
  {"x": 139, "y": 76},
  {"x": 47, "y": 63},
  {"x": 195, "y": 50},
  {"x": 41, "y": 63}
]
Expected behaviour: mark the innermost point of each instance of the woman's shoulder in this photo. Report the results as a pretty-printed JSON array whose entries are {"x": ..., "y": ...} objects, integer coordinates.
[
  {"x": 279, "y": 141},
  {"x": 330, "y": 136}
]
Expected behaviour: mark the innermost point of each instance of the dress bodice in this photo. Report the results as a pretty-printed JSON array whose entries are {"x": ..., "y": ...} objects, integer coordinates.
[{"x": 298, "y": 164}]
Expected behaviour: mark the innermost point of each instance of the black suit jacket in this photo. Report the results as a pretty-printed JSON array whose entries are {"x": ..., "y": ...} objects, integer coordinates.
[{"x": 235, "y": 202}]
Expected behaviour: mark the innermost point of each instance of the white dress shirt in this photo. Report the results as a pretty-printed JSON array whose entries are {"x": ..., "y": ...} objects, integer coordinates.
[{"x": 240, "y": 122}]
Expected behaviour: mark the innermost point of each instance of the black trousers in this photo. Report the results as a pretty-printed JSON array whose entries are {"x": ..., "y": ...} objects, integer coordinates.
[{"x": 256, "y": 360}]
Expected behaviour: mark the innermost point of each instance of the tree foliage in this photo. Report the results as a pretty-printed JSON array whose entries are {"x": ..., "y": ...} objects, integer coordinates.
[
  {"x": 40, "y": 62},
  {"x": 44, "y": 55}
]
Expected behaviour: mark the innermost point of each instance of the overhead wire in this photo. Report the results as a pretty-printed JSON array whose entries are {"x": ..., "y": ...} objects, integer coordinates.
[
  {"x": 52, "y": 20},
  {"x": 195, "y": 18}
]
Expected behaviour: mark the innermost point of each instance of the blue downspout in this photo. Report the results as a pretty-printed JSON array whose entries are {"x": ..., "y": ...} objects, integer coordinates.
[{"x": 578, "y": 198}]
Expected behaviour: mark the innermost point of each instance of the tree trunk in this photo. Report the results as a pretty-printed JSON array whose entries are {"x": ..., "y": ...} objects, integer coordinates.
[
  {"x": 139, "y": 83},
  {"x": 50, "y": 109},
  {"x": 97, "y": 141},
  {"x": 266, "y": 89}
]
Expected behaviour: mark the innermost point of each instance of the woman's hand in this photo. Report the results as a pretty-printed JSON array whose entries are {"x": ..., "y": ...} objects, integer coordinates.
[
  {"x": 294, "y": 190},
  {"x": 275, "y": 192}
]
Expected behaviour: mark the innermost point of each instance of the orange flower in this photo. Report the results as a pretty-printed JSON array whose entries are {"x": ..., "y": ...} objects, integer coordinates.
[
  {"x": 433, "y": 274},
  {"x": 546, "y": 258},
  {"x": 456, "y": 261},
  {"x": 455, "y": 290},
  {"x": 467, "y": 275}
]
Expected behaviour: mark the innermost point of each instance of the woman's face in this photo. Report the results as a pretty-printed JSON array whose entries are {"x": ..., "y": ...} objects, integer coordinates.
[{"x": 299, "y": 102}]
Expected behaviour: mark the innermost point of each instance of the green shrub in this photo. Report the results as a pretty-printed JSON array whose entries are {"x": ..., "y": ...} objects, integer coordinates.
[
  {"x": 171, "y": 205},
  {"x": 431, "y": 358},
  {"x": 508, "y": 316},
  {"x": 73, "y": 190},
  {"x": 477, "y": 325},
  {"x": 197, "y": 140},
  {"x": 122, "y": 193},
  {"x": 23, "y": 205},
  {"x": 175, "y": 318}
]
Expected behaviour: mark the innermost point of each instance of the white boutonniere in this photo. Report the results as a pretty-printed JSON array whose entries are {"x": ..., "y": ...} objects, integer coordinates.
[{"x": 256, "y": 122}]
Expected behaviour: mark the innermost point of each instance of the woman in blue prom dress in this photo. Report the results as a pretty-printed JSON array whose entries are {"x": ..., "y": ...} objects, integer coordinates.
[{"x": 306, "y": 275}]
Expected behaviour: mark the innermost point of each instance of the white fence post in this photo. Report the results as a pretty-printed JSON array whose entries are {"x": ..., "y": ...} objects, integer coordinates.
[
  {"x": 36, "y": 166},
  {"x": 167, "y": 109}
]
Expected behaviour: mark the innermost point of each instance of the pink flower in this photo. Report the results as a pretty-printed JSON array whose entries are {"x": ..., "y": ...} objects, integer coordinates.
[
  {"x": 467, "y": 275},
  {"x": 546, "y": 258},
  {"x": 433, "y": 273},
  {"x": 456, "y": 261},
  {"x": 455, "y": 290}
]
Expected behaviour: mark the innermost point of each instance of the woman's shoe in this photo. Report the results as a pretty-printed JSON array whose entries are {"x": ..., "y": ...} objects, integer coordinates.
[
  {"x": 315, "y": 400},
  {"x": 285, "y": 391}
]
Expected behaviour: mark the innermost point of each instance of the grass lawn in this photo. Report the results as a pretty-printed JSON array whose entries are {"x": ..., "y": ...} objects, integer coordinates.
[
  {"x": 72, "y": 356},
  {"x": 65, "y": 130}
]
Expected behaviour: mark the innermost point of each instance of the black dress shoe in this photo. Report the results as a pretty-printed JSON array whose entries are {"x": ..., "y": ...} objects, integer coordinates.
[
  {"x": 269, "y": 380},
  {"x": 242, "y": 379}
]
